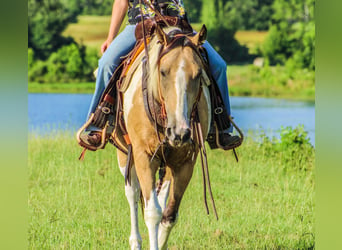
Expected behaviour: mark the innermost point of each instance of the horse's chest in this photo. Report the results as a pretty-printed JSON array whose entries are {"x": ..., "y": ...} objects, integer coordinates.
[{"x": 178, "y": 157}]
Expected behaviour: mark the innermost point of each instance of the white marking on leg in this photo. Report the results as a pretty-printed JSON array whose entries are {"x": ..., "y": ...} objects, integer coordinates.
[
  {"x": 164, "y": 233},
  {"x": 132, "y": 193},
  {"x": 164, "y": 194},
  {"x": 153, "y": 216}
]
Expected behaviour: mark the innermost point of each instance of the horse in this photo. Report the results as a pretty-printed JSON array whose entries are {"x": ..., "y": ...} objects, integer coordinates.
[{"x": 177, "y": 81}]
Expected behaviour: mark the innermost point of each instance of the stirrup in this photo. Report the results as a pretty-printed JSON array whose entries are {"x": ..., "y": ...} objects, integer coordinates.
[
  {"x": 103, "y": 135},
  {"x": 214, "y": 142}
]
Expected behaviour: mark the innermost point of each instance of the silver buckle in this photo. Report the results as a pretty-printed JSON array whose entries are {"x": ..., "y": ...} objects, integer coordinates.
[
  {"x": 218, "y": 110},
  {"x": 105, "y": 110}
]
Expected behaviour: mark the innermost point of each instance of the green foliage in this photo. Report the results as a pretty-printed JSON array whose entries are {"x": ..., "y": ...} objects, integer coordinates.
[
  {"x": 193, "y": 8},
  {"x": 222, "y": 39},
  {"x": 286, "y": 82},
  {"x": 46, "y": 22},
  {"x": 236, "y": 14},
  {"x": 37, "y": 71},
  {"x": 96, "y": 7},
  {"x": 293, "y": 147},
  {"x": 292, "y": 35},
  {"x": 30, "y": 58},
  {"x": 221, "y": 31},
  {"x": 71, "y": 63}
]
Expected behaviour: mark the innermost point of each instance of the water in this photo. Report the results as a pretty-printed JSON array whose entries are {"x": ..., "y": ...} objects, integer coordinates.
[{"x": 49, "y": 112}]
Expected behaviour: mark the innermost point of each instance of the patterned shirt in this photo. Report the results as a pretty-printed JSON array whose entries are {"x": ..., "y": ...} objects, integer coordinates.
[{"x": 165, "y": 7}]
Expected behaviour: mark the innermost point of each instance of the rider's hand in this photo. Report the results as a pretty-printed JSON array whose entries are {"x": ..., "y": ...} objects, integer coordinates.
[{"x": 105, "y": 45}]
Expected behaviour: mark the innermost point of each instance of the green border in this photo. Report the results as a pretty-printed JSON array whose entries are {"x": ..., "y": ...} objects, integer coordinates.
[
  {"x": 13, "y": 84},
  {"x": 13, "y": 92}
]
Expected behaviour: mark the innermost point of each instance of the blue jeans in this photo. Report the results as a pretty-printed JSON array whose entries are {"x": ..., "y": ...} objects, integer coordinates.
[
  {"x": 124, "y": 43},
  {"x": 109, "y": 61}
]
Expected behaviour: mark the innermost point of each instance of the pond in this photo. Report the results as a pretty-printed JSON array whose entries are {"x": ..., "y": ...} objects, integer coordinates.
[{"x": 48, "y": 112}]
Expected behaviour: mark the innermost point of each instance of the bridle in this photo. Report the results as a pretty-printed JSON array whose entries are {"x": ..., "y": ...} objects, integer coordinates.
[{"x": 178, "y": 39}]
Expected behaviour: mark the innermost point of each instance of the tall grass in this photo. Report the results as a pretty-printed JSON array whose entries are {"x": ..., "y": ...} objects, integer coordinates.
[{"x": 266, "y": 201}]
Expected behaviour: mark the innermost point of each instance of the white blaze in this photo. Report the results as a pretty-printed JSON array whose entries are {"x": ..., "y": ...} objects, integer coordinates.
[{"x": 181, "y": 101}]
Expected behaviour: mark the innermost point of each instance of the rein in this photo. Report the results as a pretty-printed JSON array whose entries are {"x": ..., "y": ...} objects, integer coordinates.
[{"x": 178, "y": 39}]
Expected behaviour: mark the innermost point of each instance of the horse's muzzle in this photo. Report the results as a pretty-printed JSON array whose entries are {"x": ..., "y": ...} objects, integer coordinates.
[{"x": 178, "y": 138}]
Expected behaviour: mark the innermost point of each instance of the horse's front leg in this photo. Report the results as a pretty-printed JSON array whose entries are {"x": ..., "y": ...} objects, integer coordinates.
[
  {"x": 132, "y": 192},
  {"x": 164, "y": 190},
  {"x": 181, "y": 178},
  {"x": 152, "y": 213}
]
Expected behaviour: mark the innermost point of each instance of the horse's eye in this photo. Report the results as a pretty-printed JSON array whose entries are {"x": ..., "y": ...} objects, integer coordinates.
[{"x": 163, "y": 72}]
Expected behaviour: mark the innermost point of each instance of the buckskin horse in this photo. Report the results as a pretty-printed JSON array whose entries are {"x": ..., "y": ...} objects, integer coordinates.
[{"x": 172, "y": 83}]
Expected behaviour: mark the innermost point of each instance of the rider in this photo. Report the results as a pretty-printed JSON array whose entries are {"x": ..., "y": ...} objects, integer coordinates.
[{"x": 118, "y": 45}]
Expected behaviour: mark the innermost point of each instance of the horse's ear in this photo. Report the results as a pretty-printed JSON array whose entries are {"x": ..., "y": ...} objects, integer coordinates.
[
  {"x": 200, "y": 37},
  {"x": 162, "y": 37}
]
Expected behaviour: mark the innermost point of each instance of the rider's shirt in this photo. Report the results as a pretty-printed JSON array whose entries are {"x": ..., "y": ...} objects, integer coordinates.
[{"x": 165, "y": 7}]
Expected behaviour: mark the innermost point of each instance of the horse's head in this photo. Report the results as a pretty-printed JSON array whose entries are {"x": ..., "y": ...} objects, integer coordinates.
[{"x": 180, "y": 71}]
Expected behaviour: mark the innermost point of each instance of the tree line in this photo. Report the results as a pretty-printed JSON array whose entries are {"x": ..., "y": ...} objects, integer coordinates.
[{"x": 291, "y": 38}]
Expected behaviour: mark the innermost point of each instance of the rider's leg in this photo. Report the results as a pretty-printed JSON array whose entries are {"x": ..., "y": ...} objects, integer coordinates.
[
  {"x": 120, "y": 46},
  {"x": 218, "y": 68}
]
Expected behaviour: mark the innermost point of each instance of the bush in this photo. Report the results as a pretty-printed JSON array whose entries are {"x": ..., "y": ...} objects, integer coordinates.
[
  {"x": 293, "y": 147},
  {"x": 292, "y": 34},
  {"x": 46, "y": 22},
  {"x": 30, "y": 57},
  {"x": 37, "y": 71},
  {"x": 71, "y": 63},
  {"x": 222, "y": 39}
]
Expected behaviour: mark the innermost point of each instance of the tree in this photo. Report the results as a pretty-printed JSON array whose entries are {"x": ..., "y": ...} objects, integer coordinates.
[
  {"x": 46, "y": 21},
  {"x": 193, "y": 8},
  {"x": 291, "y": 37},
  {"x": 221, "y": 30}
]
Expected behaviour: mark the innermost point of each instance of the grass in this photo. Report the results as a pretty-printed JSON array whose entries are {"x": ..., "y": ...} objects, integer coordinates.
[
  {"x": 79, "y": 87},
  {"x": 90, "y": 31},
  {"x": 266, "y": 201},
  {"x": 275, "y": 81},
  {"x": 251, "y": 39}
]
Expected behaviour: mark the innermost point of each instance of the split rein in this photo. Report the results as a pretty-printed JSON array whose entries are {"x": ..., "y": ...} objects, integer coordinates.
[{"x": 179, "y": 39}]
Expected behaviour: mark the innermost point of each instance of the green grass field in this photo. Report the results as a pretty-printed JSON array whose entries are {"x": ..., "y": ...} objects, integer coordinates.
[
  {"x": 266, "y": 201},
  {"x": 84, "y": 87}
]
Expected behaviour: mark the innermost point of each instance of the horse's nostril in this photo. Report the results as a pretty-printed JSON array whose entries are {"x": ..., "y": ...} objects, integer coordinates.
[
  {"x": 168, "y": 132},
  {"x": 186, "y": 135}
]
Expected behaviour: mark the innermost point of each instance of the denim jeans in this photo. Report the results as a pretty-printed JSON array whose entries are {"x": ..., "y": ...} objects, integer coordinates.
[
  {"x": 124, "y": 43},
  {"x": 109, "y": 61}
]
